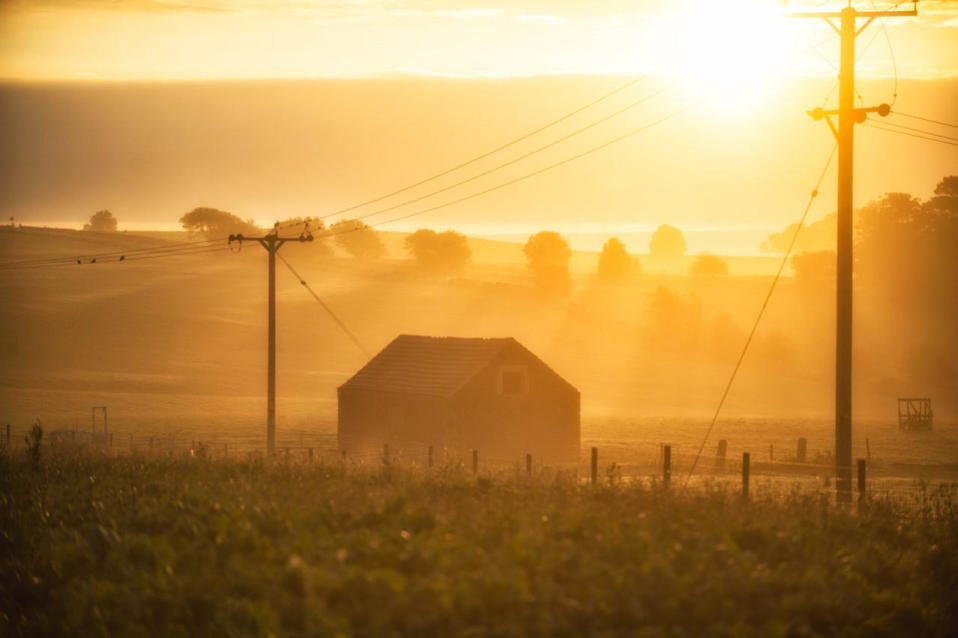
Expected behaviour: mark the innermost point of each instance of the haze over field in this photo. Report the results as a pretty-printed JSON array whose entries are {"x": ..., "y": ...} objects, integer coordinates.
[
  {"x": 278, "y": 149},
  {"x": 470, "y": 317}
]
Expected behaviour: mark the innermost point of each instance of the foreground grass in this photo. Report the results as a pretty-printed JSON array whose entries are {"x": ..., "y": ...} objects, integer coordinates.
[{"x": 98, "y": 546}]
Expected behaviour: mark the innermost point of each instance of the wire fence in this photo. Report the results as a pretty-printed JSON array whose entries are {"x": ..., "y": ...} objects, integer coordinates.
[{"x": 618, "y": 462}]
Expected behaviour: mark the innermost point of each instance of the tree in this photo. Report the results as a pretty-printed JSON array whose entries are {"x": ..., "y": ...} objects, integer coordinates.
[
  {"x": 816, "y": 236},
  {"x": 815, "y": 270},
  {"x": 358, "y": 239},
  {"x": 101, "y": 222},
  {"x": 706, "y": 264},
  {"x": 439, "y": 252},
  {"x": 217, "y": 224},
  {"x": 667, "y": 241},
  {"x": 319, "y": 246},
  {"x": 615, "y": 263},
  {"x": 547, "y": 255}
]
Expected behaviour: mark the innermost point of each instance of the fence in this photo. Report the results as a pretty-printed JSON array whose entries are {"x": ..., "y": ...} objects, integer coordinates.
[{"x": 662, "y": 464}]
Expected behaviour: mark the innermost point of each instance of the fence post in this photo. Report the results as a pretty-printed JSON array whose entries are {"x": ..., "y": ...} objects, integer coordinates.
[
  {"x": 429, "y": 457},
  {"x": 722, "y": 450},
  {"x": 287, "y": 455},
  {"x": 802, "y": 450},
  {"x": 475, "y": 461},
  {"x": 9, "y": 440},
  {"x": 528, "y": 464},
  {"x": 861, "y": 481},
  {"x": 667, "y": 465},
  {"x": 385, "y": 454},
  {"x": 868, "y": 450},
  {"x": 746, "y": 460},
  {"x": 595, "y": 465},
  {"x": 771, "y": 453},
  {"x": 343, "y": 455}
]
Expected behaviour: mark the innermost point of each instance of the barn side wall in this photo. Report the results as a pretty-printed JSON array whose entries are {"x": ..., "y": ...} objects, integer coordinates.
[
  {"x": 409, "y": 424},
  {"x": 544, "y": 421}
]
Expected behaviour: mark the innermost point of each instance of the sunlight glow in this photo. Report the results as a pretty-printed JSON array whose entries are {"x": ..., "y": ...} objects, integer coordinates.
[{"x": 730, "y": 54}]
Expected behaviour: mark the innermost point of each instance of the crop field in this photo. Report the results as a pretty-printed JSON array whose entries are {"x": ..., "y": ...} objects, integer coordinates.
[{"x": 184, "y": 545}]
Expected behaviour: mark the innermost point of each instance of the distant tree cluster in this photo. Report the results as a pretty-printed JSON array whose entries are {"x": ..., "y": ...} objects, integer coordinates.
[
  {"x": 101, "y": 221},
  {"x": 615, "y": 263},
  {"x": 439, "y": 252},
  {"x": 706, "y": 264},
  {"x": 667, "y": 241},
  {"x": 815, "y": 269},
  {"x": 358, "y": 239},
  {"x": 216, "y": 224},
  {"x": 547, "y": 256},
  {"x": 817, "y": 236}
]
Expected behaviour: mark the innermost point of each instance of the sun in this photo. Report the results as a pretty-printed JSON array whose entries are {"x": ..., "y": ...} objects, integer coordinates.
[{"x": 729, "y": 54}]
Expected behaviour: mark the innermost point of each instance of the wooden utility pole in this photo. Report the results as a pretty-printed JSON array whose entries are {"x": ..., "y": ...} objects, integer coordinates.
[
  {"x": 848, "y": 116},
  {"x": 272, "y": 242}
]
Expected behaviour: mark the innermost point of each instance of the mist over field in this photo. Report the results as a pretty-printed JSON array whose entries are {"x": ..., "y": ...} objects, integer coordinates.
[
  {"x": 560, "y": 348},
  {"x": 271, "y": 150}
]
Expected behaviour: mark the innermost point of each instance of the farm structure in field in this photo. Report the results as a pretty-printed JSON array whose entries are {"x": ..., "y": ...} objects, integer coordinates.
[
  {"x": 915, "y": 414},
  {"x": 459, "y": 394}
]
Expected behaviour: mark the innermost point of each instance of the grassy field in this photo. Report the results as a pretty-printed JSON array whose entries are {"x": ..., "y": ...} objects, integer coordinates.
[{"x": 179, "y": 546}]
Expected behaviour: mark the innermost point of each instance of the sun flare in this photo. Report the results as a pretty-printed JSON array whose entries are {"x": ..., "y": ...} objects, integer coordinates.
[{"x": 730, "y": 56}]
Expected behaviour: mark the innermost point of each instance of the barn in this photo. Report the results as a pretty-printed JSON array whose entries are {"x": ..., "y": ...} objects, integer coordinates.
[{"x": 459, "y": 394}]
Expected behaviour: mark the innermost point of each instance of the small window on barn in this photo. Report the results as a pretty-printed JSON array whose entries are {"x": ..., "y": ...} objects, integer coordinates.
[{"x": 513, "y": 380}]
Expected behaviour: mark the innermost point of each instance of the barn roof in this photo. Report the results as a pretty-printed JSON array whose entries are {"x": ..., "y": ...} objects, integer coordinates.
[{"x": 436, "y": 366}]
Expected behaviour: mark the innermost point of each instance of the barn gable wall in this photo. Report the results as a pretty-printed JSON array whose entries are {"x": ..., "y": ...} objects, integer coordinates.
[
  {"x": 542, "y": 421},
  {"x": 421, "y": 392}
]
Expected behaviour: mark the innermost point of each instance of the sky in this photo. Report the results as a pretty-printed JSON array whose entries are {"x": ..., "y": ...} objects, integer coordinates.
[
  {"x": 276, "y": 109},
  {"x": 207, "y": 39}
]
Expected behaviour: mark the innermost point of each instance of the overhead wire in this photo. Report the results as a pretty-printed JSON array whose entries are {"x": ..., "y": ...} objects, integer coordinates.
[
  {"x": 924, "y": 119},
  {"x": 870, "y": 124},
  {"x": 768, "y": 296},
  {"x": 515, "y": 160},
  {"x": 524, "y": 177},
  {"x": 486, "y": 154},
  {"x": 329, "y": 311},
  {"x": 915, "y": 130},
  {"x": 69, "y": 259}
]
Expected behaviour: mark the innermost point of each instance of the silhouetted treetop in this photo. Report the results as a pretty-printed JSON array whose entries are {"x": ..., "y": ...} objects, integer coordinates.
[
  {"x": 547, "y": 255},
  {"x": 101, "y": 221},
  {"x": 667, "y": 241},
  {"x": 358, "y": 239},
  {"x": 615, "y": 263},
  {"x": 217, "y": 224},
  {"x": 706, "y": 264},
  {"x": 441, "y": 252}
]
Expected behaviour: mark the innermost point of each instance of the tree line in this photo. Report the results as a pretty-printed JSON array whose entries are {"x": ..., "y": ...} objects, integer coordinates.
[{"x": 547, "y": 253}]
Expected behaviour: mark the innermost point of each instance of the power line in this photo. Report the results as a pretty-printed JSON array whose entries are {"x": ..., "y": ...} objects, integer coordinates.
[
  {"x": 924, "y": 119},
  {"x": 113, "y": 260},
  {"x": 339, "y": 322},
  {"x": 527, "y": 175},
  {"x": 71, "y": 259},
  {"x": 761, "y": 312},
  {"x": 916, "y": 130},
  {"x": 920, "y": 137},
  {"x": 486, "y": 154},
  {"x": 521, "y": 157},
  {"x": 116, "y": 253}
]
